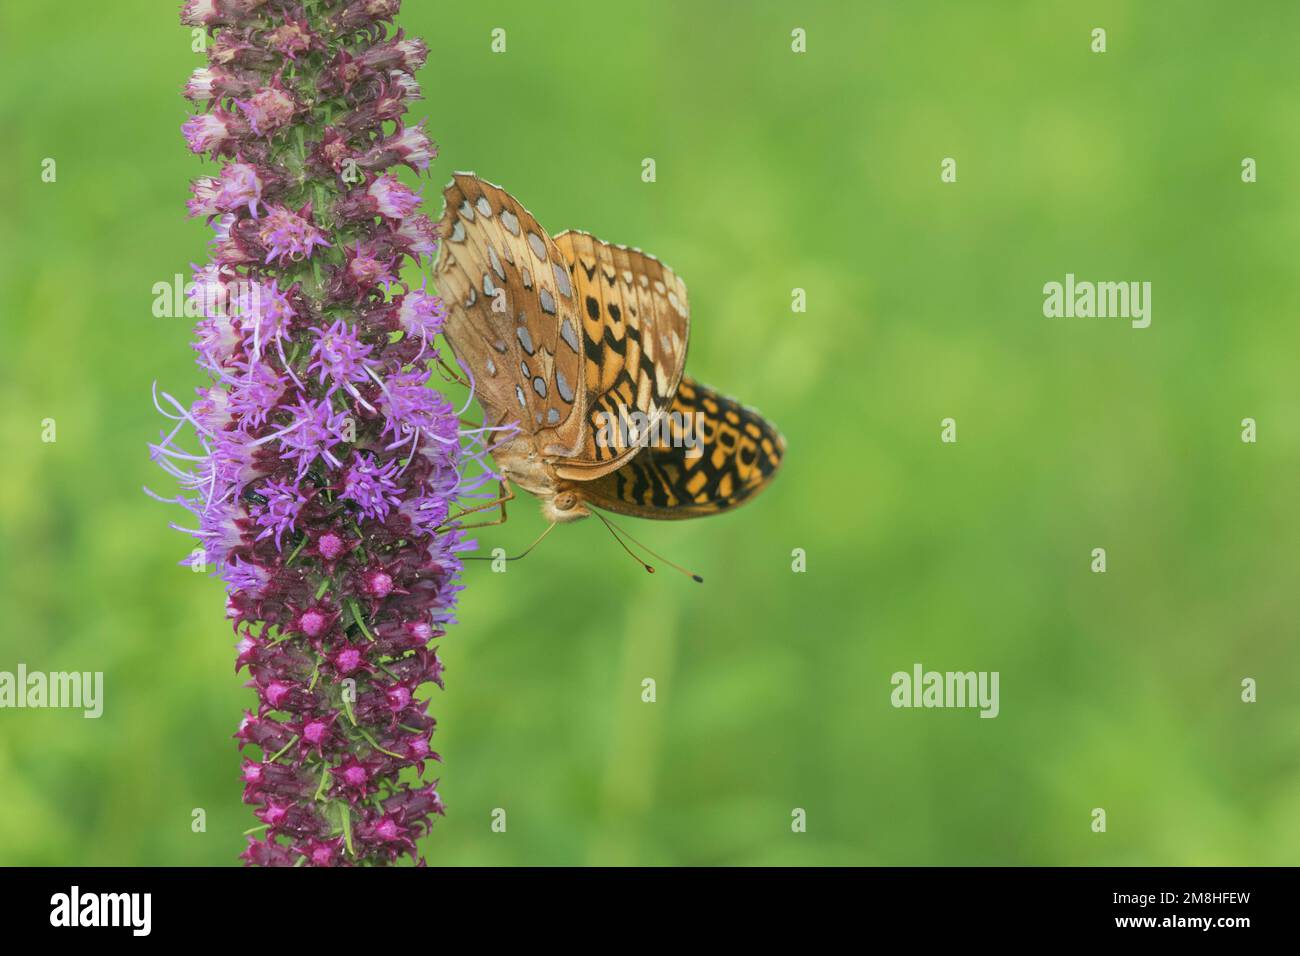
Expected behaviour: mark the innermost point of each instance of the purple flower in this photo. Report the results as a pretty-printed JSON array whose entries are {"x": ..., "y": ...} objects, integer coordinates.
[
  {"x": 339, "y": 354},
  {"x": 209, "y": 132},
  {"x": 221, "y": 534},
  {"x": 203, "y": 196},
  {"x": 421, "y": 315},
  {"x": 315, "y": 429},
  {"x": 229, "y": 247},
  {"x": 326, "y": 466},
  {"x": 372, "y": 487},
  {"x": 246, "y": 576},
  {"x": 213, "y": 410},
  {"x": 216, "y": 340},
  {"x": 408, "y": 405},
  {"x": 400, "y": 54},
  {"x": 207, "y": 13},
  {"x": 254, "y": 391},
  {"x": 417, "y": 236},
  {"x": 367, "y": 271},
  {"x": 240, "y": 186},
  {"x": 292, "y": 37},
  {"x": 409, "y": 146},
  {"x": 392, "y": 199},
  {"x": 199, "y": 86},
  {"x": 268, "y": 110},
  {"x": 426, "y": 513},
  {"x": 407, "y": 87},
  {"x": 283, "y": 504},
  {"x": 288, "y": 234},
  {"x": 265, "y": 314}
]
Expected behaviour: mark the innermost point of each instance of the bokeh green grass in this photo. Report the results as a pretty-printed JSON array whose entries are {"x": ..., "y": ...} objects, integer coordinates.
[{"x": 775, "y": 171}]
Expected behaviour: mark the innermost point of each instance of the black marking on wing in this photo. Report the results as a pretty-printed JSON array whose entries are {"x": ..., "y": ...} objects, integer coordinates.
[{"x": 737, "y": 455}]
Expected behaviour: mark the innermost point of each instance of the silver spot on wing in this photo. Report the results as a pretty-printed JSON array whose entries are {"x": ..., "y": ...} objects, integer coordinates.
[
  {"x": 538, "y": 247},
  {"x": 569, "y": 334},
  {"x": 525, "y": 339},
  {"x": 562, "y": 280},
  {"x": 562, "y": 384}
]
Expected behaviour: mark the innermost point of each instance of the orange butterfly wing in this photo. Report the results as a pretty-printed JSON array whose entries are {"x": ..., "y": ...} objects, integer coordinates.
[{"x": 714, "y": 455}]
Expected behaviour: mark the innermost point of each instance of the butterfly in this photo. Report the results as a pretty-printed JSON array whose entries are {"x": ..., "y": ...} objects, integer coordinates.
[{"x": 582, "y": 344}]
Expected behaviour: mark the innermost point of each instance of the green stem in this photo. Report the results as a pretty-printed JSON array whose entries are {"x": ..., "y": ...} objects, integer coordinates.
[
  {"x": 356, "y": 616},
  {"x": 301, "y": 545},
  {"x": 371, "y": 740},
  {"x": 345, "y": 818},
  {"x": 324, "y": 778},
  {"x": 292, "y": 741}
]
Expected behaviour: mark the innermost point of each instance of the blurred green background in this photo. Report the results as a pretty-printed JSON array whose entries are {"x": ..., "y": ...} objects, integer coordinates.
[{"x": 775, "y": 170}]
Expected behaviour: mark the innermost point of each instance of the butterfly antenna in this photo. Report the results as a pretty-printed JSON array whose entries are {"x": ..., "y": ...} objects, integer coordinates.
[
  {"x": 521, "y": 555},
  {"x": 616, "y": 531},
  {"x": 648, "y": 567}
]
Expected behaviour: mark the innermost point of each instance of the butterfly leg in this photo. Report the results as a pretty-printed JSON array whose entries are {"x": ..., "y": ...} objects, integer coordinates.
[
  {"x": 442, "y": 363},
  {"x": 521, "y": 555},
  {"x": 507, "y": 494}
]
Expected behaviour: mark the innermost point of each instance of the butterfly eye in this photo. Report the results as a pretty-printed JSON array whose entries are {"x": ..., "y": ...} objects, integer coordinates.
[{"x": 565, "y": 501}]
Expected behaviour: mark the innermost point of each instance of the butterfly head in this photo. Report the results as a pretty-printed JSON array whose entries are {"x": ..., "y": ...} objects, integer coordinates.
[{"x": 564, "y": 506}]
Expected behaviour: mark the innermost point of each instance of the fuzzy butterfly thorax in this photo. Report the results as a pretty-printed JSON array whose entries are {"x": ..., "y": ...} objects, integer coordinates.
[
  {"x": 581, "y": 345},
  {"x": 519, "y": 462}
]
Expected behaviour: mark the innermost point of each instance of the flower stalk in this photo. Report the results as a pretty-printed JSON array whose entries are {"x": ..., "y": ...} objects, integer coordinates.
[{"x": 328, "y": 467}]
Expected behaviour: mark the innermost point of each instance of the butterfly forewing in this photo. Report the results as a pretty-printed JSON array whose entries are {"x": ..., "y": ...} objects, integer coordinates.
[
  {"x": 635, "y": 327},
  {"x": 512, "y": 318},
  {"x": 735, "y": 454}
]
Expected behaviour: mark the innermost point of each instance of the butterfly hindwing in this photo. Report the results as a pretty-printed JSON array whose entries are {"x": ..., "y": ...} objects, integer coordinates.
[
  {"x": 635, "y": 328},
  {"x": 736, "y": 454}
]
